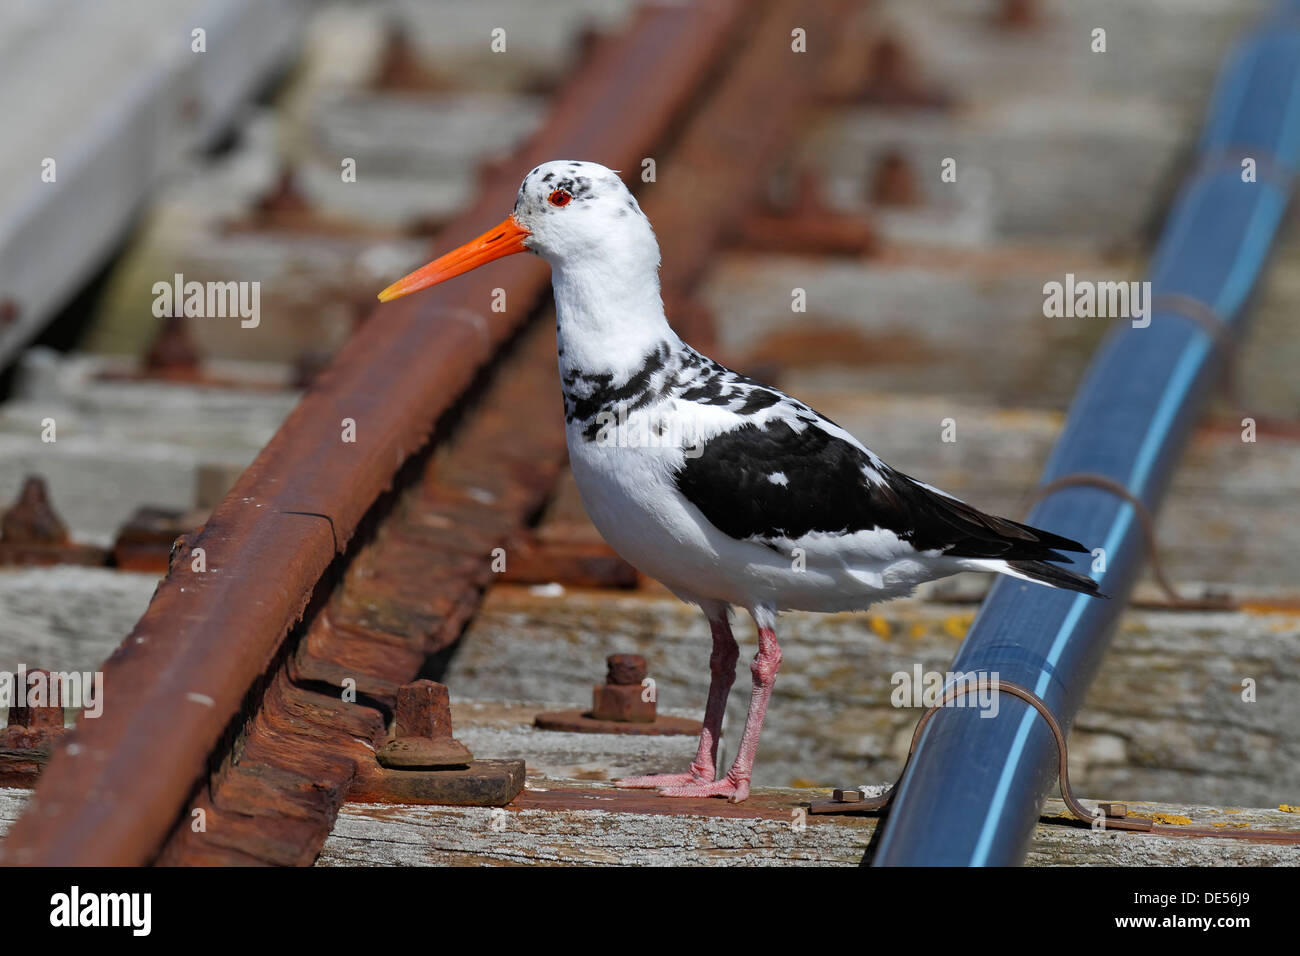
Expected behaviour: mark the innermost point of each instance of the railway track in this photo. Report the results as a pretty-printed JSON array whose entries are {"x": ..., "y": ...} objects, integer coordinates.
[{"x": 350, "y": 559}]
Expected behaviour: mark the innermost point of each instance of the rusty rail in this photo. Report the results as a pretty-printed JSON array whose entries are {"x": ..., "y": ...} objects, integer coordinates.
[{"x": 172, "y": 688}]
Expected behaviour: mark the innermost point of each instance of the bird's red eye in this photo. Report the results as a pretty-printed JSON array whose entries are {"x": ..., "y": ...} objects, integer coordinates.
[{"x": 561, "y": 197}]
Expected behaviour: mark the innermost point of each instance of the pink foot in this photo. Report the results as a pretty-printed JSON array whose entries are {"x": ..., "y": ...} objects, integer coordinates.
[
  {"x": 656, "y": 781},
  {"x": 734, "y": 791}
]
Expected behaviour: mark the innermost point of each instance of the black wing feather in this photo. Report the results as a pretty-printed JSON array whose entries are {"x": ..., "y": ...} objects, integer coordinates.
[{"x": 825, "y": 489}]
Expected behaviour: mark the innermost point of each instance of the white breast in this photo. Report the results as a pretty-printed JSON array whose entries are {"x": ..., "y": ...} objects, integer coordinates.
[{"x": 628, "y": 490}]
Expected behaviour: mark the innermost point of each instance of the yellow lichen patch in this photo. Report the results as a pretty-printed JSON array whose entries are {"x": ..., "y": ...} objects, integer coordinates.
[
  {"x": 803, "y": 783},
  {"x": 918, "y": 631},
  {"x": 1287, "y": 808},
  {"x": 880, "y": 626},
  {"x": 1172, "y": 819},
  {"x": 956, "y": 625}
]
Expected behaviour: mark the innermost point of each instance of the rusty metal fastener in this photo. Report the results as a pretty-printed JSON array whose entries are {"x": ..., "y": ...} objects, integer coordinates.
[
  {"x": 25, "y": 744},
  {"x": 1115, "y": 810},
  {"x": 148, "y": 540},
  {"x": 31, "y": 532},
  {"x": 1017, "y": 14},
  {"x": 894, "y": 182},
  {"x": 32, "y": 519},
  {"x": 617, "y": 706},
  {"x": 31, "y": 726},
  {"x": 173, "y": 354},
  {"x": 894, "y": 78},
  {"x": 803, "y": 222},
  {"x": 422, "y": 763},
  {"x": 620, "y": 698},
  {"x": 422, "y": 730},
  {"x": 847, "y": 796},
  {"x": 625, "y": 669}
]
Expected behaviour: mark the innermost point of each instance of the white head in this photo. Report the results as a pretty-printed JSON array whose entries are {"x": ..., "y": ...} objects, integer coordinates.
[
  {"x": 579, "y": 211},
  {"x": 577, "y": 216}
]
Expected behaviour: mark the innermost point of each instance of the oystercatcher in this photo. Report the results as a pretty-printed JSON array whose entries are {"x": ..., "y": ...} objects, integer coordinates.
[{"x": 727, "y": 490}]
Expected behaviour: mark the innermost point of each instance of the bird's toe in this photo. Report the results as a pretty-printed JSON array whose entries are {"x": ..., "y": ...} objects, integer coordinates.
[
  {"x": 726, "y": 787},
  {"x": 659, "y": 781}
]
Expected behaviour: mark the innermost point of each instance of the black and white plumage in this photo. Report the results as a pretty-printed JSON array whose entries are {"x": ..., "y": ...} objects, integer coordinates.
[
  {"x": 728, "y": 491},
  {"x": 807, "y": 516}
]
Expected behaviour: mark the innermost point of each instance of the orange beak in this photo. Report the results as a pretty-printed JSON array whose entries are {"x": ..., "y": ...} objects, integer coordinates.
[{"x": 502, "y": 240}]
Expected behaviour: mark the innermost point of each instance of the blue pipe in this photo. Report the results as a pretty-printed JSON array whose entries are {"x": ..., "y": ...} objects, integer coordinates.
[{"x": 975, "y": 786}]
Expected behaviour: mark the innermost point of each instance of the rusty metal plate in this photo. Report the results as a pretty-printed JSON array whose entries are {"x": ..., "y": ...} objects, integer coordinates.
[
  {"x": 581, "y": 722},
  {"x": 20, "y": 766},
  {"x": 484, "y": 783}
]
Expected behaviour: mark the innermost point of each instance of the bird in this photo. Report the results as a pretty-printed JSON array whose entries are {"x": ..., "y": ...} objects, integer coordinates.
[{"x": 728, "y": 491}]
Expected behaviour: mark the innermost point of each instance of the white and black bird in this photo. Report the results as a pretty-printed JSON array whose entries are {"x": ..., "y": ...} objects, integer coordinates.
[{"x": 728, "y": 491}]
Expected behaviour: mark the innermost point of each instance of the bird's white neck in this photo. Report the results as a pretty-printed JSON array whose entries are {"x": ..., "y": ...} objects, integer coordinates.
[{"x": 608, "y": 318}]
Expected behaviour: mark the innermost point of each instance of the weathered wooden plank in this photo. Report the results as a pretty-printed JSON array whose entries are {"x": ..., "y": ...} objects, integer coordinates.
[
  {"x": 120, "y": 444},
  {"x": 1265, "y": 362},
  {"x": 1013, "y": 156},
  {"x": 454, "y": 40},
  {"x": 418, "y": 836},
  {"x": 122, "y": 97},
  {"x": 1044, "y": 129},
  {"x": 1164, "y": 50},
  {"x": 405, "y": 176},
  {"x": 1165, "y": 718},
  {"x": 12, "y": 801},
  {"x": 910, "y": 322},
  {"x": 375, "y": 835},
  {"x": 1056, "y": 845},
  {"x": 770, "y": 833},
  {"x": 65, "y": 618}
]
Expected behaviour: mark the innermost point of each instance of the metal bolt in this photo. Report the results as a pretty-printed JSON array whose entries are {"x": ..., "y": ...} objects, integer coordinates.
[
  {"x": 32, "y": 519},
  {"x": 796, "y": 218},
  {"x": 33, "y": 726},
  {"x": 1017, "y": 14},
  {"x": 403, "y": 70},
  {"x": 172, "y": 354},
  {"x": 423, "y": 710},
  {"x": 847, "y": 796},
  {"x": 891, "y": 77},
  {"x": 625, "y": 669},
  {"x": 284, "y": 198},
  {"x": 894, "y": 183},
  {"x": 422, "y": 730},
  {"x": 619, "y": 698},
  {"x": 1114, "y": 810}
]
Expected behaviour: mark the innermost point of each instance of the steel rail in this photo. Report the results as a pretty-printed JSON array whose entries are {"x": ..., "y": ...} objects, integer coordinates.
[
  {"x": 114, "y": 790},
  {"x": 974, "y": 788}
]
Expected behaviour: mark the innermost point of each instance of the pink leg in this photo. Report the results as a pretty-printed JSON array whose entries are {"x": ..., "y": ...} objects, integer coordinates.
[
  {"x": 735, "y": 785},
  {"x": 722, "y": 671}
]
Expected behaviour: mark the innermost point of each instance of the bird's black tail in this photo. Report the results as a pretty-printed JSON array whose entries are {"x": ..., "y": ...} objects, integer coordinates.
[{"x": 1057, "y": 577}]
